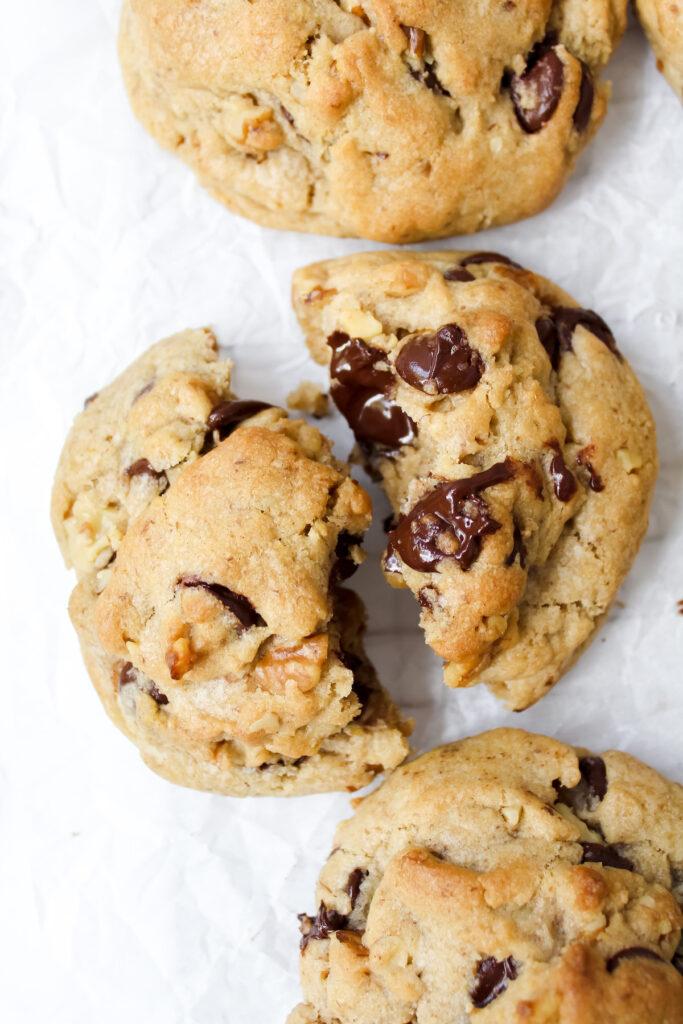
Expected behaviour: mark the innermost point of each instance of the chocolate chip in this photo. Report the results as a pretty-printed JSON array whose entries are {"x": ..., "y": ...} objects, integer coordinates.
[
  {"x": 588, "y": 793},
  {"x": 90, "y": 399},
  {"x": 677, "y": 962},
  {"x": 344, "y": 566},
  {"x": 458, "y": 274},
  {"x": 596, "y": 853},
  {"x": 157, "y": 695},
  {"x": 456, "y": 509},
  {"x": 286, "y": 114},
  {"x": 564, "y": 481},
  {"x": 226, "y": 416},
  {"x": 518, "y": 549},
  {"x": 127, "y": 675},
  {"x": 442, "y": 363},
  {"x": 356, "y": 879},
  {"x": 492, "y": 978},
  {"x": 143, "y": 467},
  {"x": 543, "y": 81},
  {"x": 582, "y": 114},
  {"x": 427, "y": 75},
  {"x": 321, "y": 926},
  {"x": 488, "y": 257},
  {"x": 240, "y": 606},
  {"x": 631, "y": 954},
  {"x": 594, "y": 479},
  {"x": 555, "y": 332},
  {"x": 416, "y": 40},
  {"x": 361, "y": 392}
]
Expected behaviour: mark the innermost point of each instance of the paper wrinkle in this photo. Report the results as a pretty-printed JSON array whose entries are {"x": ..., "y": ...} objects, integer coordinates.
[{"x": 125, "y": 898}]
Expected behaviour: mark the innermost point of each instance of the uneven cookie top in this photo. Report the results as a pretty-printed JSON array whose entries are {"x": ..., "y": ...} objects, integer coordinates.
[
  {"x": 503, "y": 878},
  {"x": 386, "y": 120},
  {"x": 217, "y": 634},
  {"x": 512, "y": 439},
  {"x": 662, "y": 21}
]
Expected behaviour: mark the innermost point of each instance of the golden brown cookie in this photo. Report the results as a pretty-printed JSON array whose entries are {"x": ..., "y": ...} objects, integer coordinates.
[
  {"x": 210, "y": 536},
  {"x": 504, "y": 879},
  {"x": 514, "y": 443},
  {"x": 662, "y": 21},
  {"x": 377, "y": 119}
]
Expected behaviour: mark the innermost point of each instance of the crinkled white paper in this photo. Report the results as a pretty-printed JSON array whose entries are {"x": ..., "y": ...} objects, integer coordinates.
[{"x": 123, "y": 898}]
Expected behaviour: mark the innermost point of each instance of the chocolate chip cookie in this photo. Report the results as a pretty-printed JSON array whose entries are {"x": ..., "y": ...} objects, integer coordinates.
[
  {"x": 377, "y": 119},
  {"x": 662, "y": 21},
  {"x": 514, "y": 443},
  {"x": 504, "y": 878},
  {"x": 210, "y": 535}
]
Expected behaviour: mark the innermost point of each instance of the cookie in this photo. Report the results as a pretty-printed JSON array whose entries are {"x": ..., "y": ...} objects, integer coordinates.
[
  {"x": 374, "y": 119},
  {"x": 512, "y": 439},
  {"x": 662, "y": 21},
  {"x": 504, "y": 878},
  {"x": 210, "y": 536}
]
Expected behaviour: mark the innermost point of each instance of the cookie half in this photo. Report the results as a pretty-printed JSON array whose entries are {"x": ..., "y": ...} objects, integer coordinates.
[
  {"x": 662, "y": 21},
  {"x": 385, "y": 120},
  {"x": 504, "y": 878},
  {"x": 210, "y": 536},
  {"x": 512, "y": 439}
]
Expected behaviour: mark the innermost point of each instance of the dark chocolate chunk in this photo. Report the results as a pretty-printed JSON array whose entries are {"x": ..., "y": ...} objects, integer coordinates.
[
  {"x": 492, "y": 978},
  {"x": 543, "y": 79},
  {"x": 564, "y": 481},
  {"x": 631, "y": 954},
  {"x": 321, "y": 926},
  {"x": 143, "y": 467},
  {"x": 596, "y": 853},
  {"x": 556, "y": 330},
  {"x": 594, "y": 479},
  {"x": 588, "y": 793},
  {"x": 488, "y": 257},
  {"x": 127, "y": 675},
  {"x": 226, "y": 416},
  {"x": 443, "y": 360},
  {"x": 356, "y": 879},
  {"x": 344, "y": 566},
  {"x": 582, "y": 114},
  {"x": 453, "y": 510},
  {"x": 361, "y": 392},
  {"x": 240, "y": 606},
  {"x": 427, "y": 75},
  {"x": 458, "y": 274},
  {"x": 518, "y": 549},
  {"x": 157, "y": 695}
]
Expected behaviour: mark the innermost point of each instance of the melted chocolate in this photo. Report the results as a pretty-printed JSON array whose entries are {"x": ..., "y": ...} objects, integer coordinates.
[
  {"x": 582, "y": 114},
  {"x": 444, "y": 360},
  {"x": 427, "y": 75},
  {"x": 456, "y": 509},
  {"x": 156, "y": 694},
  {"x": 458, "y": 274},
  {"x": 344, "y": 566},
  {"x": 143, "y": 467},
  {"x": 588, "y": 793},
  {"x": 488, "y": 257},
  {"x": 237, "y": 604},
  {"x": 564, "y": 481},
  {"x": 544, "y": 79},
  {"x": 361, "y": 392},
  {"x": 596, "y": 853},
  {"x": 322, "y": 925},
  {"x": 518, "y": 549},
  {"x": 127, "y": 675},
  {"x": 226, "y": 416},
  {"x": 630, "y": 954},
  {"x": 492, "y": 978},
  {"x": 594, "y": 479},
  {"x": 356, "y": 879},
  {"x": 555, "y": 331}
]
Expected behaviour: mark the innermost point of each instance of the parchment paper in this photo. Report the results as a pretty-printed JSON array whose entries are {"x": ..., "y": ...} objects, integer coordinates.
[{"x": 123, "y": 898}]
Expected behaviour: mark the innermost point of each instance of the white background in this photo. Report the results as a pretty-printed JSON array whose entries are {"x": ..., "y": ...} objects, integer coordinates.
[{"x": 122, "y": 898}]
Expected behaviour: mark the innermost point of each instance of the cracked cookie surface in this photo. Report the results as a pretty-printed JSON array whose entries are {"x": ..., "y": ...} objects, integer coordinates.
[
  {"x": 503, "y": 878},
  {"x": 662, "y": 21},
  {"x": 385, "y": 120},
  {"x": 210, "y": 535},
  {"x": 512, "y": 439}
]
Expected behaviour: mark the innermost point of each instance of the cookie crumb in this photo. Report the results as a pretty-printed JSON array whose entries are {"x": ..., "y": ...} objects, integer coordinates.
[{"x": 309, "y": 397}]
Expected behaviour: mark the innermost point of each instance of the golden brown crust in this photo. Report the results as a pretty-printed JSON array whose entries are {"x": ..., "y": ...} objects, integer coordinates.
[
  {"x": 662, "y": 21},
  {"x": 519, "y": 614},
  {"x": 486, "y": 850},
  {"x": 375, "y": 119}
]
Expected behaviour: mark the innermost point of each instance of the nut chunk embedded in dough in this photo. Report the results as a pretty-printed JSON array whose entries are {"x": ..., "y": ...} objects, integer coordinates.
[{"x": 514, "y": 443}]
